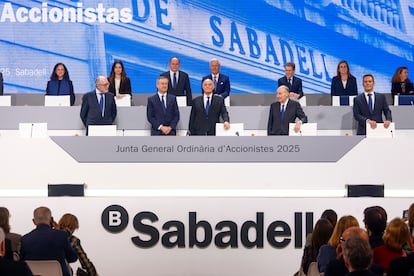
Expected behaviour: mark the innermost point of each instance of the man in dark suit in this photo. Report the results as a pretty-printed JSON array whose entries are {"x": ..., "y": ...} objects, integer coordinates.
[
  {"x": 221, "y": 82},
  {"x": 46, "y": 243},
  {"x": 1, "y": 84},
  {"x": 98, "y": 106},
  {"x": 283, "y": 112},
  {"x": 162, "y": 110},
  {"x": 358, "y": 256},
  {"x": 206, "y": 112},
  {"x": 294, "y": 83},
  {"x": 178, "y": 81},
  {"x": 369, "y": 107}
]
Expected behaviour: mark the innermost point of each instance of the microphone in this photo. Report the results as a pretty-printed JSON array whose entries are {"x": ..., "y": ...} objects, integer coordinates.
[
  {"x": 392, "y": 133},
  {"x": 123, "y": 132},
  {"x": 300, "y": 131},
  {"x": 188, "y": 133},
  {"x": 412, "y": 103},
  {"x": 237, "y": 133},
  {"x": 31, "y": 130}
]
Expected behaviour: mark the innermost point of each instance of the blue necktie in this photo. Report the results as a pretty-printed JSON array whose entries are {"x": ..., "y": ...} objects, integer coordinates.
[
  {"x": 282, "y": 112},
  {"x": 163, "y": 104},
  {"x": 370, "y": 103},
  {"x": 175, "y": 81},
  {"x": 207, "y": 105},
  {"x": 102, "y": 104},
  {"x": 290, "y": 83}
]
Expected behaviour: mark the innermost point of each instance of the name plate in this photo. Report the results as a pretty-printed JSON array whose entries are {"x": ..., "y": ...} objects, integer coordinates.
[{"x": 210, "y": 149}]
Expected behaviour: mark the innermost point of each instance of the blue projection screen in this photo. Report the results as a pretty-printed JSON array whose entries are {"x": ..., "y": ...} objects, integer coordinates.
[{"x": 252, "y": 40}]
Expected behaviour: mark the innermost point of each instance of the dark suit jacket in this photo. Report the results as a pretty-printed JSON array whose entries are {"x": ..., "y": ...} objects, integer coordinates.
[
  {"x": 295, "y": 87},
  {"x": 45, "y": 243},
  {"x": 1, "y": 84},
  {"x": 183, "y": 86},
  {"x": 124, "y": 87},
  {"x": 14, "y": 268},
  {"x": 401, "y": 265},
  {"x": 156, "y": 116},
  {"x": 337, "y": 268},
  {"x": 362, "y": 273},
  {"x": 66, "y": 88},
  {"x": 223, "y": 85},
  {"x": 91, "y": 112},
  {"x": 293, "y": 110},
  {"x": 362, "y": 114},
  {"x": 337, "y": 89},
  {"x": 203, "y": 124}
]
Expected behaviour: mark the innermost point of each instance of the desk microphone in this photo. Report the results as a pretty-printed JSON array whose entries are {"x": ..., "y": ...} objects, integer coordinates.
[
  {"x": 300, "y": 131},
  {"x": 392, "y": 133},
  {"x": 237, "y": 133},
  {"x": 123, "y": 132},
  {"x": 31, "y": 130}
]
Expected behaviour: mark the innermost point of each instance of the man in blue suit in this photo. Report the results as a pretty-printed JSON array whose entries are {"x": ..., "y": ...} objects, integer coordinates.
[
  {"x": 162, "y": 110},
  {"x": 369, "y": 107},
  {"x": 294, "y": 83},
  {"x": 46, "y": 243},
  {"x": 283, "y": 112},
  {"x": 98, "y": 106},
  {"x": 221, "y": 82},
  {"x": 178, "y": 81}
]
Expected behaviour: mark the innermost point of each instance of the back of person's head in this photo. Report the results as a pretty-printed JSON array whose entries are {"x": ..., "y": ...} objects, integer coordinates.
[
  {"x": 342, "y": 224},
  {"x": 397, "y": 235},
  {"x": 353, "y": 231},
  {"x": 411, "y": 218},
  {"x": 68, "y": 222},
  {"x": 357, "y": 253},
  {"x": 330, "y": 215},
  {"x": 321, "y": 233},
  {"x": 4, "y": 219},
  {"x": 42, "y": 215},
  {"x": 375, "y": 221}
]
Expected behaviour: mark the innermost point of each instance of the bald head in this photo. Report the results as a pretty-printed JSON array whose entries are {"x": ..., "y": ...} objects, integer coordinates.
[
  {"x": 42, "y": 215},
  {"x": 102, "y": 84}
]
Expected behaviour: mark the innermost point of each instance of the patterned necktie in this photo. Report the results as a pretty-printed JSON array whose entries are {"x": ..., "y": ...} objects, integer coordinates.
[
  {"x": 282, "y": 112},
  {"x": 163, "y": 104},
  {"x": 370, "y": 103},
  {"x": 215, "y": 82},
  {"x": 102, "y": 104},
  {"x": 207, "y": 105},
  {"x": 175, "y": 80}
]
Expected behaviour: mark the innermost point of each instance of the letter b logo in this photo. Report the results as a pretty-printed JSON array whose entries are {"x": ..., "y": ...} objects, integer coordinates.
[{"x": 114, "y": 218}]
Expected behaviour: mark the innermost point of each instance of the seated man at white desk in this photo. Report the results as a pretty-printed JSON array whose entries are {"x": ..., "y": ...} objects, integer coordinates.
[{"x": 283, "y": 112}]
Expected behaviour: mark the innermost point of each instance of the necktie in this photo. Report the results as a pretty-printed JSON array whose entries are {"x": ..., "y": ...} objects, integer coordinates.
[
  {"x": 290, "y": 82},
  {"x": 370, "y": 103},
  {"x": 282, "y": 112},
  {"x": 207, "y": 105},
  {"x": 215, "y": 82},
  {"x": 102, "y": 104},
  {"x": 175, "y": 80},
  {"x": 163, "y": 104}
]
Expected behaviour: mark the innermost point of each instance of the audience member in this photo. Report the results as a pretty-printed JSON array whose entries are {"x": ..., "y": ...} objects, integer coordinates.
[
  {"x": 60, "y": 83},
  {"x": 221, "y": 82},
  {"x": 375, "y": 223},
  {"x": 13, "y": 237},
  {"x": 1, "y": 84},
  {"x": 358, "y": 256},
  {"x": 11, "y": 267},
  {"x": 327, "y": 252},
  {"x": 320, "y": 236},
  {"x": 337, "y": 267},
  {"x": 119, "y": 83},
  {"x": 396, "y": 236},
  {"x": 98, "y": 106},
  {"x": 411, "y": 220},
  {"x": 400, "y": 83},
  {"x": 292, "y": 82},
  {"x": 70, "y": 223},
  {"x": 401, "y": 266},
  {"x": 162, "y": 110},
  {"x": 179, "y": 82},
  {"x": 328, "y": 214},
  {"x": 344, "y": 83},
  {"x": 369, "y": 106},
  {"x": 284, "y": 111},
  {"x": 46, "y": 243},
  {"x": 206, "y": 112}
]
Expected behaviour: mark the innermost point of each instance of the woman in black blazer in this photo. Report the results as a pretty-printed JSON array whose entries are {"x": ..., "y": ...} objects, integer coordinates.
[
  {"x": 400, "y": 83},
  {"x": 344, "y": 83},
  {"x": 119, "y": 83}
]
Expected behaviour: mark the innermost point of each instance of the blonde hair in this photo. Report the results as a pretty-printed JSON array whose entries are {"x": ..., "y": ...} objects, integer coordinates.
[
  {"x": 69, "y": 222},
  {"x": 342, "y": 224},
  {"x": 397, "y": 235}
]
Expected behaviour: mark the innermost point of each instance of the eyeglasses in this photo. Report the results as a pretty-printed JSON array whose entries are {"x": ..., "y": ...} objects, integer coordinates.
[
  {"x": 104, "y": 84},
  {"x": 341, "y": 239}
]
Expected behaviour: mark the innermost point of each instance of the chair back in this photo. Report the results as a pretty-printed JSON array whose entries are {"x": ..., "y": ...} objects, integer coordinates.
[
  {"x": 45, "y": 268},
  {"x": 313, "y": 269}
]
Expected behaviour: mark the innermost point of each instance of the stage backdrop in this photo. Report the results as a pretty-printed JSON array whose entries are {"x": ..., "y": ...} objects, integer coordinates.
[{"x": 252, "y": 39}]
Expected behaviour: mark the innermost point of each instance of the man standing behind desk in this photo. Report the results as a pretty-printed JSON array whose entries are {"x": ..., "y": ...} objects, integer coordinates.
[
  {"x": 206, "y": 112},
  {"x": 221, "y": 82},
  {"x": 98, "y": 106},
  {"x": 283, "y": 112},
  {"x": 294, "y": 83},
  {"x": 369, "y": 106},
  {"x": 162, "y": 110},
  {"x": 179, "y": 82}
]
